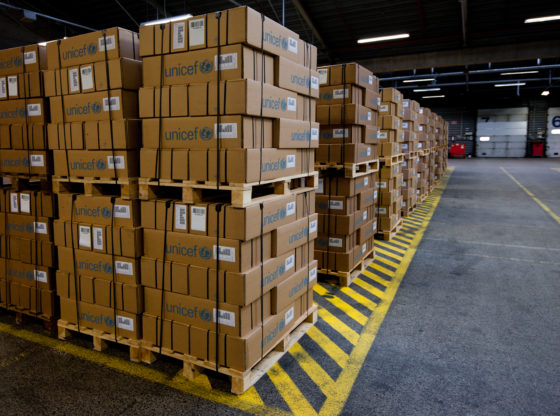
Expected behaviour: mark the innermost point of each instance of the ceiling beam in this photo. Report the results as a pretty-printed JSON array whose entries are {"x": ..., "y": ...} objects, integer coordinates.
[
  {"x": 467, "y": 56},
  {"x": 297, "y": 4},
  {"x": 464, "y": 20}
]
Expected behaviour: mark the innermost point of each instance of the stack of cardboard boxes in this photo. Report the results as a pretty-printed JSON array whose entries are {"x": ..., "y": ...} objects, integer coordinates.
[
  {"x": 228, "y": 121},
  {"x": 27, "y": 206},
  {"x": 348, "y": 161},
  {"x": 409, "y": 149},
  {"x": 92, "y": 82},
  {"x": 423, "y": 161}
]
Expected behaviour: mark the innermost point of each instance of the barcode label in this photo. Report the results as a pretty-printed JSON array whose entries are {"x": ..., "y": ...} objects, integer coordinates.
[
  {"x": 336, "y": 204},
  {"x": 289, "y": 316},
  {"x": 25, "y": 203},
  {"x": 404, "y": 184},
  {"x": 14, "y": 203},
  {"x": 364, "y": 248},
  {"x": 313, "y": 227},
  {"x": 180, "y": 217},
  {"x": 34, "y": 110},
  {"x": 84, "y": 236},
  {"x": 116, "y": 162},
  {"x": 369, "y": 115},
  {"x": 314, "y": 134},
  {"x": 323, "y": 75},
  {"x": 290, "y": 161},
  {"x": 3, "y": 88},
  {"x": 384, "y": 108},
  {"x": 226, "y": 130},
  {"x": 121, "y": 211},
  {"x": 364, "y": 216},
  {"x": 106, "y": 42},
  {"x": 341, "y": 93},
  {"x": 113, "y": 103},
  {"x": 37, "y": 160},
  {"x": 366, "y": 181},
  {"x": 227, "y": 61},
  {"x": 98, "y": 238},
  {"x": 87, "y": 77},
  {"x": 292, "y": 45},
  {"x": 292, "y": 104},
  {"x": 224, "y": 317},
  {"x": 290, "y": 208},
  {"x": 40, "y": 276},
  {"x": 375, "y": 195},
  {"x": 123, "y": 267},
  {"x": 335, "y": 242},
  {"x": 125, "y": 323},
  {"x": 314, "y": 83},
  {"x": 179, "y": 35},
  {"x": 382, "y": 135},
  {"x": 226, "y": 253},
  {"x": 420, "y": 128},
  {"x": 404, "y": 146},
  {"x": 73, "y": 80},
  {"x": 368, "y": 151},
  {"x": 196, "y": 32},
  {"x": 40, "y": 227},
  {"x": 340, "y": 133},
  {"x": 289, "y": 263},
  {"x": 12, "y": 86},
  {"x": 320, "y": 188},
  {"x": 382, "y": 185},
  {"x": 313, "y": 274},
  {"x": 419, "y": 145},
  {"x": 404, "y": 164},
  {"x": 198, "y": 219},
  {"x": 29, "y": 58},
  {"x": 381, "y": 210}
]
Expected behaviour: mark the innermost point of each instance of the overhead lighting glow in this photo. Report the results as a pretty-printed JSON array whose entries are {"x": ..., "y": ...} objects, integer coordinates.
[
  {"x": 542, "y": 19},
  {"x": 519, "y": 73},
  {"x": 513, "y": 84},
  {"x": 167, "y": 20},
  {"x": 383, "y": 38},
  {"x": 419, "y": 80},
  {"x": 433, "y": 96},
  {"x": 555, "y": 131},
  {"x": 545, "y": 93},
  {"x": 426, "y": 89},
  {"x": 484, "y": 138}
]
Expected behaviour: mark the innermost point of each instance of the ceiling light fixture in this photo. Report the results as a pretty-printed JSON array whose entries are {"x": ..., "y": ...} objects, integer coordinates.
[
  {"x": 426, "y": 89},
  {"x": 513, "y": 84},
  {"x": 542, "y": 19},
  {"x": 419, "y": 80},
  {"x": 545, "y": 93},
  {"x": 167, "y": 20},
  {"x": 519, "y": 73},
  {"x": 433, "y": 96},
  {"x": 383, "y": 38}
]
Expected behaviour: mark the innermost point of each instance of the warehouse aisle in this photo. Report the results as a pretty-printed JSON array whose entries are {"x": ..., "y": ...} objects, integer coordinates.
[{"x": 474, "y": 327}]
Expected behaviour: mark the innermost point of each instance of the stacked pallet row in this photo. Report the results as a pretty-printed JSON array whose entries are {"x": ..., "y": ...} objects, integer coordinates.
[
  {"x": 424, "y": 149},
  {"x": 347, "y": 159},
  {"x": 390, "y": 179},
  {"x": 409, "y": 149},
  {"x": 27, "y": 206},
  {"x": 92, "y": 83},
  {"x": 228, "y": 186}
]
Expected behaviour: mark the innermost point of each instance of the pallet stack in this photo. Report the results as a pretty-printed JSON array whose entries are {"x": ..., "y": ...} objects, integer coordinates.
[
  {"x": 409, "y": 149},
  {"x": 347, "y": 159},
  {"x": 27, "y": 206},
  {"x": 228, "y": 188},
  {"x": 423, "y": 165},
  {"x": 92, "y": 83}
]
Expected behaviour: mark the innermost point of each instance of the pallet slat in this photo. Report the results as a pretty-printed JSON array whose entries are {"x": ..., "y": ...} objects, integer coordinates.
[
  {"x": 351, "y": 170},
  {"x": 345, "y": 279},
  {"x": 388, "y": 235},
  {"x": 126, "y": 188}
]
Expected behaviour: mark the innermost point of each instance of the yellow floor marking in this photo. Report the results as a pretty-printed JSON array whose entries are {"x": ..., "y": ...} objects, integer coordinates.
[
  {"x": 379, "y": 249},
  {"x": 405, "y": 235},
  {"x": 532, "y": 195},
  {"x": 413, "y": 220},
  {"x": 388, "y": 262},
  {"x": 345, "y": 382},
  {"x": 370, "y": 288},
  {"x": 361, "y": 299},
  {"x": 401, "y": 246},
  {"x": 377, "y": 278},
  {"x": 339, "y": 326},
  {"x": 253, "y": 396},
  {"x": 488, "y": 243},
  {"x": 330, "y": 348},
  {"x": 342, "y": 305},
  {"x": 381, "y": 268},
  {"x": 313, "y": 370},
  {"x": 385, "y": 245},
  {"x": 142, "y": 371},
  {"x": 293, "y": 397},
  {"x": 15, "y": 358},
  {"x": 486, "y": 256}
]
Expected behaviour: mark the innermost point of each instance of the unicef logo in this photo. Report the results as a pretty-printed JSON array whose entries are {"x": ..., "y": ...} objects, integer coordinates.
[
  {"x": 283, "y": 105},
  {"x": 29, "y": 276},
  {"x": 327, "y": 96},
  {"x": 22, "y": 112},
  {"x": 105, "y": 212},
  {"x": 92, "y": 48},
  {"x": 282, "y": 269},
  {"x": 100, "y": 164},
  {"x": 284, "y": 43},
  {"x": 107, "y": 268},
  {"x": 282, "y": 213},
  {"x": 17, "y": 61},
  {"x": 109, "y": 322},
  {"x": 204, "y": 253},
  {"x": 205, "y": 315},
  {"x": 28, "y": 228},
  {"x": 283, "y": 164},
  {"x": 206, "y": 133},
  {"x": 25, "y": 162},
  {"x": 206, "y": 66},
  {"x": 96, "y": 107}
]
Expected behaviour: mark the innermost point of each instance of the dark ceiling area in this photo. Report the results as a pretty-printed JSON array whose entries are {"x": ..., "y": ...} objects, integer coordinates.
[{"x": 462, "y": 44}]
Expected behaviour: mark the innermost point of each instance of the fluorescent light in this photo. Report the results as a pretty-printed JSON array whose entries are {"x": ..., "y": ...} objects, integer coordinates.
[
  {"x": 545, "y": 93},
  {"x": 542, "y": 19},
  {"x": 382, "y": 38},
  {"x": 484, "y": 138},
  {"x": 433, "y": 96},
  {"x": 555, "y": 131},
  {"x": 519, "y": 73},
  {"x": 419, "y": 80},
  {"x": 513, "y": 84},
  {"x": 426, "y": 89},
  {"x": 167, "y": 20}
]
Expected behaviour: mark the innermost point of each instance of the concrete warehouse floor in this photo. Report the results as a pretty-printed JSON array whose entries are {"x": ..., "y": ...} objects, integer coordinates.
[{"x": 473, "y": 329}]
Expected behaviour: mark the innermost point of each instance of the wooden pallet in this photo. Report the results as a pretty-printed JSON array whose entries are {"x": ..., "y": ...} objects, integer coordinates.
[
  {"x": 408, "y": 211},
  {"x": 389, "y": 235},
  {"x": 241, "y": 381},
  {"x": 238, "y": 195},
  {"x": 351, "y": 170},
  {"x": 100, "y": 339},
  {"x": 24, "y": 316},
  {"x": 392, "y": 160},
  {"x": 126, "y": 188},
  {"x": 411, "y": 155},
  {"x": 345, "y": 279},
  {"x": 26, "y": 182}
]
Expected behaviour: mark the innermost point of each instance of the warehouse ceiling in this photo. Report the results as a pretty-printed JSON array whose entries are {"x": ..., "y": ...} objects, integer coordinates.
[{"x": 445, "y": 36}]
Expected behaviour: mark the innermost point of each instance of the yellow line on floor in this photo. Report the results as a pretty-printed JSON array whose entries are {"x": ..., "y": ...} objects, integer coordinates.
[
  {"x": 370, "y": 288},
  {"x": 361, "y": 299},
  {"x": 532, "y": 195},
  {"x": 339, "y": 326},
  {"x": 330, "y": 348},
  {"x": 381, "y": 268},
  {"x": 390, "y": 247},
  {"x": 315, "y": 372},
  {"x": 387, "y": 261},
  {"x": 342, "y": 305},
  {"x": 379, "y": 249},
  {"x": 377, "y": 278},
  {"x": 345, "y": 382},
  {"x": 293, "y": 397}
]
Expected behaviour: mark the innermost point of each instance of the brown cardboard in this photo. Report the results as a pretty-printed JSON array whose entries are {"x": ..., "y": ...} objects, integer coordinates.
[
  {"x": 391, "y": 94},
  {"x": 351, "y": 73},
  {"x": 100, "y": 210},
  {"x": 297, "y": 78},
  {"x": 95, "y": 135},
  {"x": 343, "y": 262},
  {"x": 390, "y": 123},
  {"x": 40, "y": 203},
  {"x": 294, "y": 134},
  {"x": 338, "y": 94},
  {"x": 33, "y": 58},
  {"x": 352, "y": 153},
  {"x": 165, "y": 164},
  {"x": 337, "y": 243},
  {"x": 23, "y": 136},
  {"x": 293, "y": 235},
  {"x": 354, "y": 114},
  {"x": 28, "y": 274},
  {"x": 26, "y": 226},
  {"x": 337, "y": 185},
  {"x": 22, "y": 111},
  {"x": 294, "y": 287},
  {"x": 96, "y": 163},
  {"x": 344, "y": 224},
  {"x": 25, "y": 85},
  {"x": 31, "y": 251},
  {"x": 371, "y": 99}
]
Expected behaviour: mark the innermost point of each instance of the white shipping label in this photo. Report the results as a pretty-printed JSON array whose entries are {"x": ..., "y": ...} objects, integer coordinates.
[
  {"x": 85, "y": 236},
  {"x": 97, "y": 238},
  {"x": 320, "y": 189},
  {"x": 37, "y": 160},
  {"x": 405, "y": 125},
  {"x": 112, "y": 102},
  {"x": 364, "y": 248},
  {"x": 369, "y": 115},
  {"x": 323, "y": 75},
  {"x": 123, "y": 267},
  {"x": 227, "y": 61},
  {"x": 198, "y": 218},
  {"x": 375, "y": 194},
  {"x": 383, "y": 108},
  {"x": 86, "y": 73},
  {"x": 289, "y": 316},
  {"x": 121, "y": 211},
  {"x": 341, "y": 93},
  {"x": 40, "y": 276},
  {"x": 370, "y": 80},
  {"x": 340, "y": 133},
  {"x": 382, "y": 135},
  {"x": 29, "y": 58},
  {"x": 73, "y": 80},
  {"x": 290, "y": 208},
  {"x": 313, "y": 227},
  {"x": 314, "y": 83},
  {"x": 106, "y": 42},
  {"x": 314, "y": 134},
  {"x": 116, "y": 162},
  {"x": 382, "y": 185},
  {"x": 226, "y": 130},
  {"x": 420, "y": 128},
  {"x": 381, "y": 210},
  {"x": 292, "y": 104},
  {"x": 40, "y": 227},
  {"x": 364, "y": 216},
  {"x": 292, "y": 45},
  {"x": 366, "y": 181},
  {"x": 335, "y": 242},
  {"x": 404, "y": 146},
  {"x": 125, "y": 323},
  {"x": 224, "y": 317},
  {"x": 368, "y": 151},
  {"x": 33, "y": 110},
  {"x": 336, "y": 204},
  {"x": 3, "y": 88},
  {"x": 25, "y": 203},
  {"x": 226, "y": 253},
  {"x": 14, "y": 203},
  {"x": 180, "y": 217},
  {"x": 421, "y": 111},
  {"x": 313, "y": 274},
  {"x": 196, "y": 32},
  {"x": 12, "y": 86},
  {"x": 290, "y": 161},
  {"x": 289, "y": 263},
  {"x": 179, "y": 35}
]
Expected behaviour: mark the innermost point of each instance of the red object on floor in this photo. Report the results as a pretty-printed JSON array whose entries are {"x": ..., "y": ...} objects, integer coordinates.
[
  {"x": 457, "y": 150},
  {"x": 537, "y": 150}
]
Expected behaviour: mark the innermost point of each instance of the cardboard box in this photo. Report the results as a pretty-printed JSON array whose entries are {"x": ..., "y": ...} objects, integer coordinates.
[
  {"x": 33, "y": 58},
  {"x": 391, "y": 94},
  {"x": 177, "y": 36},
  {"x": 164, "y": 164},
  {"x": 354, "y": 114},
  {"x": 338, "y": 134},
  {"x": 40, "y": 203},
  {"x": 367, "y": 231},
  {"x": 42, "y": 302},
  {"x": 25, "y": 85},
  {"x": 27, "y": 274},
  {"x": 23, "y": 136},
  {"x": 338, "y": 94},
  {"x": 337, "y": 243},
  {"x": 410, "y": 108},
  {"x": 96, "y": 163},
  {"x": 371, "y": 99},
  {"x": 99, "y": 210},
  {"x": 345, "y": 224},
  {"x": 388, "y": 108},
  {"x": 351, "y": 73},
  {"x": 94, "y": 106},
  {"x": 390, "y": 123},
  {"x": 337, "y": 185},
  {"x": 95, "y": 135},
  {"x": 299, "y": 284},
  {"x": 344, "y": 262},
  {"x": 298, "y": 78},
  {"x": 343, "y": 205},
  {"x": 31, "y": 251},
  {"x": 26, "y": 111},
  {"x": 26, "y": 226},
  {"x": 293, "y": 235},
  {"x": 346, "y": 153},
  {"x": 91, "y": 47}
]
